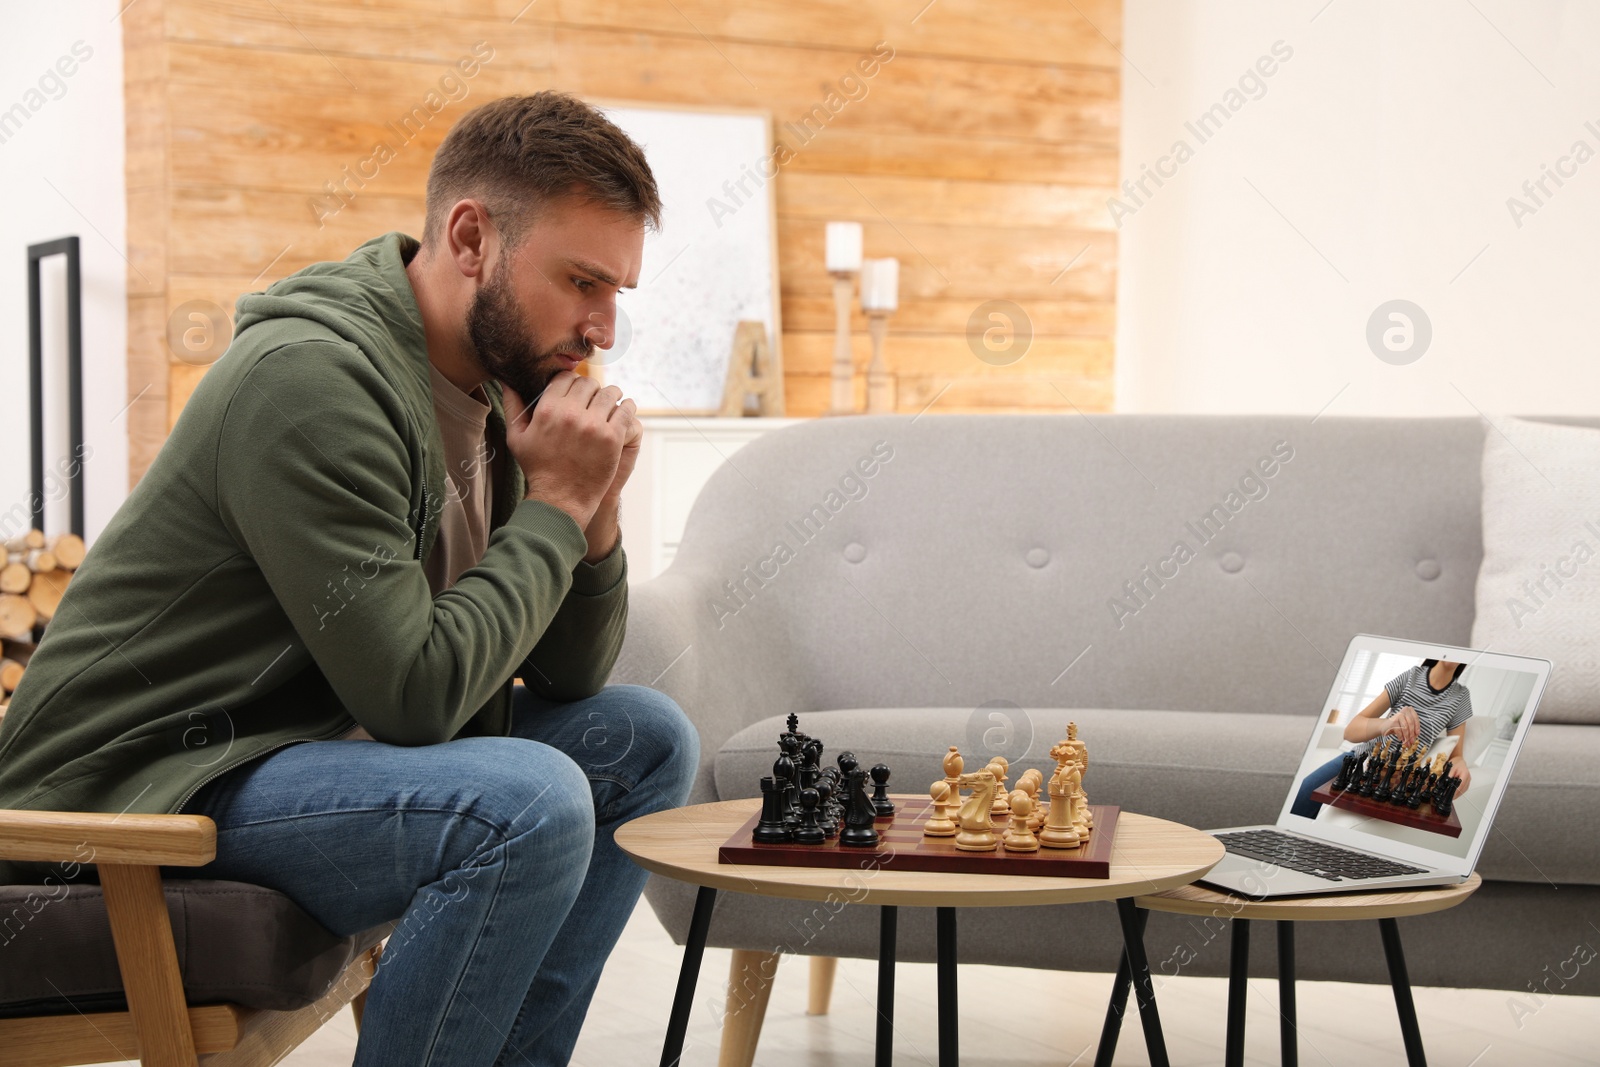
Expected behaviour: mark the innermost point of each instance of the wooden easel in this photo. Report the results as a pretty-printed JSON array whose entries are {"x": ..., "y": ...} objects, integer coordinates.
[{"x": 752, "y": 371}]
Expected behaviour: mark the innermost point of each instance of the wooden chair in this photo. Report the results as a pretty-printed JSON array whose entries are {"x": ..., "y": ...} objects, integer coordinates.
[
  {"x": 159, "y": 1028},
  {"x": 750, "y": 975}
]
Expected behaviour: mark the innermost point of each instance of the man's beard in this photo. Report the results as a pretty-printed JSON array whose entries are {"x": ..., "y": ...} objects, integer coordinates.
[{"x": 507, "y": 350}]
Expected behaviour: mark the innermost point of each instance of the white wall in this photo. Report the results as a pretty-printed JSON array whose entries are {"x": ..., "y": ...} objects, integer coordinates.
[
  {"x": 61, "y": 173},
  {"x": 1391, "y": 141}
]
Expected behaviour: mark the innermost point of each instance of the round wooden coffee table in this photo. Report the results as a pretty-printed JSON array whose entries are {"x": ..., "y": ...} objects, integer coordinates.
[
  {"x": 1148, "y": 856},
  {"x": 1386, "y": 906}
]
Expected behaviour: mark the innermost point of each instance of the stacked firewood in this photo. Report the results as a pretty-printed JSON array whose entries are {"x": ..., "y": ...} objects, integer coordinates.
[{"x": 35, "y": 574}]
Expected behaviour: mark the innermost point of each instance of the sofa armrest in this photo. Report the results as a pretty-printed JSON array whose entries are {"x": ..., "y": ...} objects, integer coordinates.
[
  {"x": 61, "y": 836},
  {"x": 726, "y": 673}
]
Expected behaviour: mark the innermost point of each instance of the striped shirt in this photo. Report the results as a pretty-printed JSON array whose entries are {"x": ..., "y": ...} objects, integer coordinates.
[{"x": 1438, "y": 711}]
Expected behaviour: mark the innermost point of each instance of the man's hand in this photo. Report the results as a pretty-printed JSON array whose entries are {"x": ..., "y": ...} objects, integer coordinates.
[
  {"x": 604, "y": 529},
  {"x": 569, "y": 444},
  {"x": 1405, "y": 725},
  {"x": 1459, "y": 770}
]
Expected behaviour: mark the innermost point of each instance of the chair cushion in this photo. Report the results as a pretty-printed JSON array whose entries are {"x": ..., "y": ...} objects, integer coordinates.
[
  {"x": 237, "y": 943},
  {"x": 1203, "y": 769}
]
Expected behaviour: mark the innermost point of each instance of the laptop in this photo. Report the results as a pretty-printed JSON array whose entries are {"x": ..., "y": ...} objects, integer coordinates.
[{"x": 1370, "y": 807}]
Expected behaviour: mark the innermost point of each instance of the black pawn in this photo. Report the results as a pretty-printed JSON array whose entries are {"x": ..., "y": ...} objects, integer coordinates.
[
  {"x": 859, "y": 831},
  {"x": 771, "y": 830},
  {"x": 880, "y": 791},
  {"x": 847, "y": 762},
  {"x": 810, "y": 830}
]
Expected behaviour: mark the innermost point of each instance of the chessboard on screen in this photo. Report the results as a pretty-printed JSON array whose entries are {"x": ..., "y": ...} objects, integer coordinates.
[
  {"x": 1412, "y": 749},
  {"x": 818, "y": 814}
]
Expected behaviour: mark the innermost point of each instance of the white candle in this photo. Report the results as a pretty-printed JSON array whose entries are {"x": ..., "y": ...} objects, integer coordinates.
[
  {"x": 844, "y": 246},
  {"x": 880, "y": 284}
]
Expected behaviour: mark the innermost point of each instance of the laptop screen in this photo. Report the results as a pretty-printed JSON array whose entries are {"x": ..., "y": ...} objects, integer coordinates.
[{"x": 1412, "y": 749}]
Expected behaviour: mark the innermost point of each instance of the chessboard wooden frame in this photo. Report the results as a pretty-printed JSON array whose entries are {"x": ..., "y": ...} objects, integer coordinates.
[
  {"x": 904, "y": 848},
  {"x": 1424, "y": 818}
]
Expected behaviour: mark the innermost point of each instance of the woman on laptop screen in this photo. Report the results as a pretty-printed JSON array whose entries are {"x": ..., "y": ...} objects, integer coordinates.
[{"x": 1414, "y": 708}]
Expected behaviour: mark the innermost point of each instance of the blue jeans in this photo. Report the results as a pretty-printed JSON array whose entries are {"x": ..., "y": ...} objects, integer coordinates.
[
  {"x": 1303, "y": 805},
  {"x": 494, "y": 855}
]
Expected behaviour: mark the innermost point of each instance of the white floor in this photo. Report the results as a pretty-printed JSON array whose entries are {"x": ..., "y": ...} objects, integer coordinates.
[{"x": 1018, "y": 1018}]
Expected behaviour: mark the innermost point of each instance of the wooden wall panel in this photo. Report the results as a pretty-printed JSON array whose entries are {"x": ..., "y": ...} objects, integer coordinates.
[{"x": 981, "y": 155}]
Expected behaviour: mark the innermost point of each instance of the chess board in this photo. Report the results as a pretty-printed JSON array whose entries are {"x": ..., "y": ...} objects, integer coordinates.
[
  {"x": 1424, "y": 818},
  {"x": 903, "y": 847}
]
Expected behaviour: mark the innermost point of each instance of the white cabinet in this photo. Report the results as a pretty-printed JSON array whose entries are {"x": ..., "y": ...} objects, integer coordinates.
[{"x": 677, "y": 457}]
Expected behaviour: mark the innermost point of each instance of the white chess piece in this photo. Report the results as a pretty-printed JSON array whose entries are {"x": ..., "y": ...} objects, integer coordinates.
[{"x": 1018, "y": 836}]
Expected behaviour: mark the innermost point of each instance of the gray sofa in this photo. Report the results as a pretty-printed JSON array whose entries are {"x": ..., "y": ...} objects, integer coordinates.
[{"x": 960, "y": 585}]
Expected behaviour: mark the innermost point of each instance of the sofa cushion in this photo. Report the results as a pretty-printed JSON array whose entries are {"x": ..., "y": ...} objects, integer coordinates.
[
  {"x": 237, "y": 943},
  {"x": 1539, "y": 587},
  {"x": 1204, "y": 769}
]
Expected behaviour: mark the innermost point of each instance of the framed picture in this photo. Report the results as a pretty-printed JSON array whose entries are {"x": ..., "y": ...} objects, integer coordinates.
[{"x": 713, "y": 263}]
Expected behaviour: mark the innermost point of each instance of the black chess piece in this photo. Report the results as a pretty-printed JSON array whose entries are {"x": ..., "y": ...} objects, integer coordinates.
[
  {"x": 1414, "y": 794},
  {"x": 1369, "y": 777},
  {"x": 809, "y": 832},
  {"x": 860, "y": 816},
  {"x": 1382, "y": 791},
  {"x": 834, "y": 817},
  {"x": 1444, "y": 797},
  {"x": 791, "y": 748},
  {"x": 1346, "y": 770},
  {"x": 811, "y": 768},
  {"x": 847, "y": 762},
  {"x": 827, "y": 808},
  {"x": 880, "y": 791},
  {"x": 1402, "y": 782},
  {"x": 771, "y": 830},
  {"x": 786, "y": 775}
]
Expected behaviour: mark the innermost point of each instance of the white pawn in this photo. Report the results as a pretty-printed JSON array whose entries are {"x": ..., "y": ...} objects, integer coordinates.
[
  {"x": 940, "y": 824},
  {"x": 1019, "y": 836}
]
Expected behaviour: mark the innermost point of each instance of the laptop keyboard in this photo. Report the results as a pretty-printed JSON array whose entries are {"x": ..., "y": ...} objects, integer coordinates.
[{"x": 1311, "y": 857}]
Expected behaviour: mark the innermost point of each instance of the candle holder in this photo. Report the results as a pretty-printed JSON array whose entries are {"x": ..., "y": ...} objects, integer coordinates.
[
  {"x": 880, "y": 383},
  {"x": 880, "y": 296},
  {"x": 843, "y": 260},
  {"x": 844, "y": 373}
]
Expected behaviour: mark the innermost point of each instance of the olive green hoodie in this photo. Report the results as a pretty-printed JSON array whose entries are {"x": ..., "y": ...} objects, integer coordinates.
[{"x": 263, "y": 583}]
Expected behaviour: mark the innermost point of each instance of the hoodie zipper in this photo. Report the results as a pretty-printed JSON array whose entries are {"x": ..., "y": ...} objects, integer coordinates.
[{"x": 422, "y": 527}]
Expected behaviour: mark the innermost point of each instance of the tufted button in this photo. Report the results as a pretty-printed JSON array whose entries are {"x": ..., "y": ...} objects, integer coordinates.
[
  {"x": 1037, "y": 557},
  {"x": 855, "y": 552},
  {"x": 1232, "y": 562},
  {"x": 1428, "y": 569}
]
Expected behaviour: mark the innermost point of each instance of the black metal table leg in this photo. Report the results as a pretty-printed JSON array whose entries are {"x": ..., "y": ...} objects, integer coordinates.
[
  {"x": 694, "y": 950},
  {"x": 1111, "y": 1029},
  {"x": 1238, "y": 985},
  {"x": 1401, "y": 982},
  {"x": 949, "y": 1033},
  {"x": 1288, "y": 1031},
  {"x": 1139, "y": 967},
  {"x": 888, "y": 922}
]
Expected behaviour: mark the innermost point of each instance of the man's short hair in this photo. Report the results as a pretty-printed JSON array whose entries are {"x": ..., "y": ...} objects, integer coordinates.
[{"x": 519, "y": 153}]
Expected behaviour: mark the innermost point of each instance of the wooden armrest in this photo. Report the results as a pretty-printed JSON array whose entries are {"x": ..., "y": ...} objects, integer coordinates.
[{"x": 98, "y": 837}]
